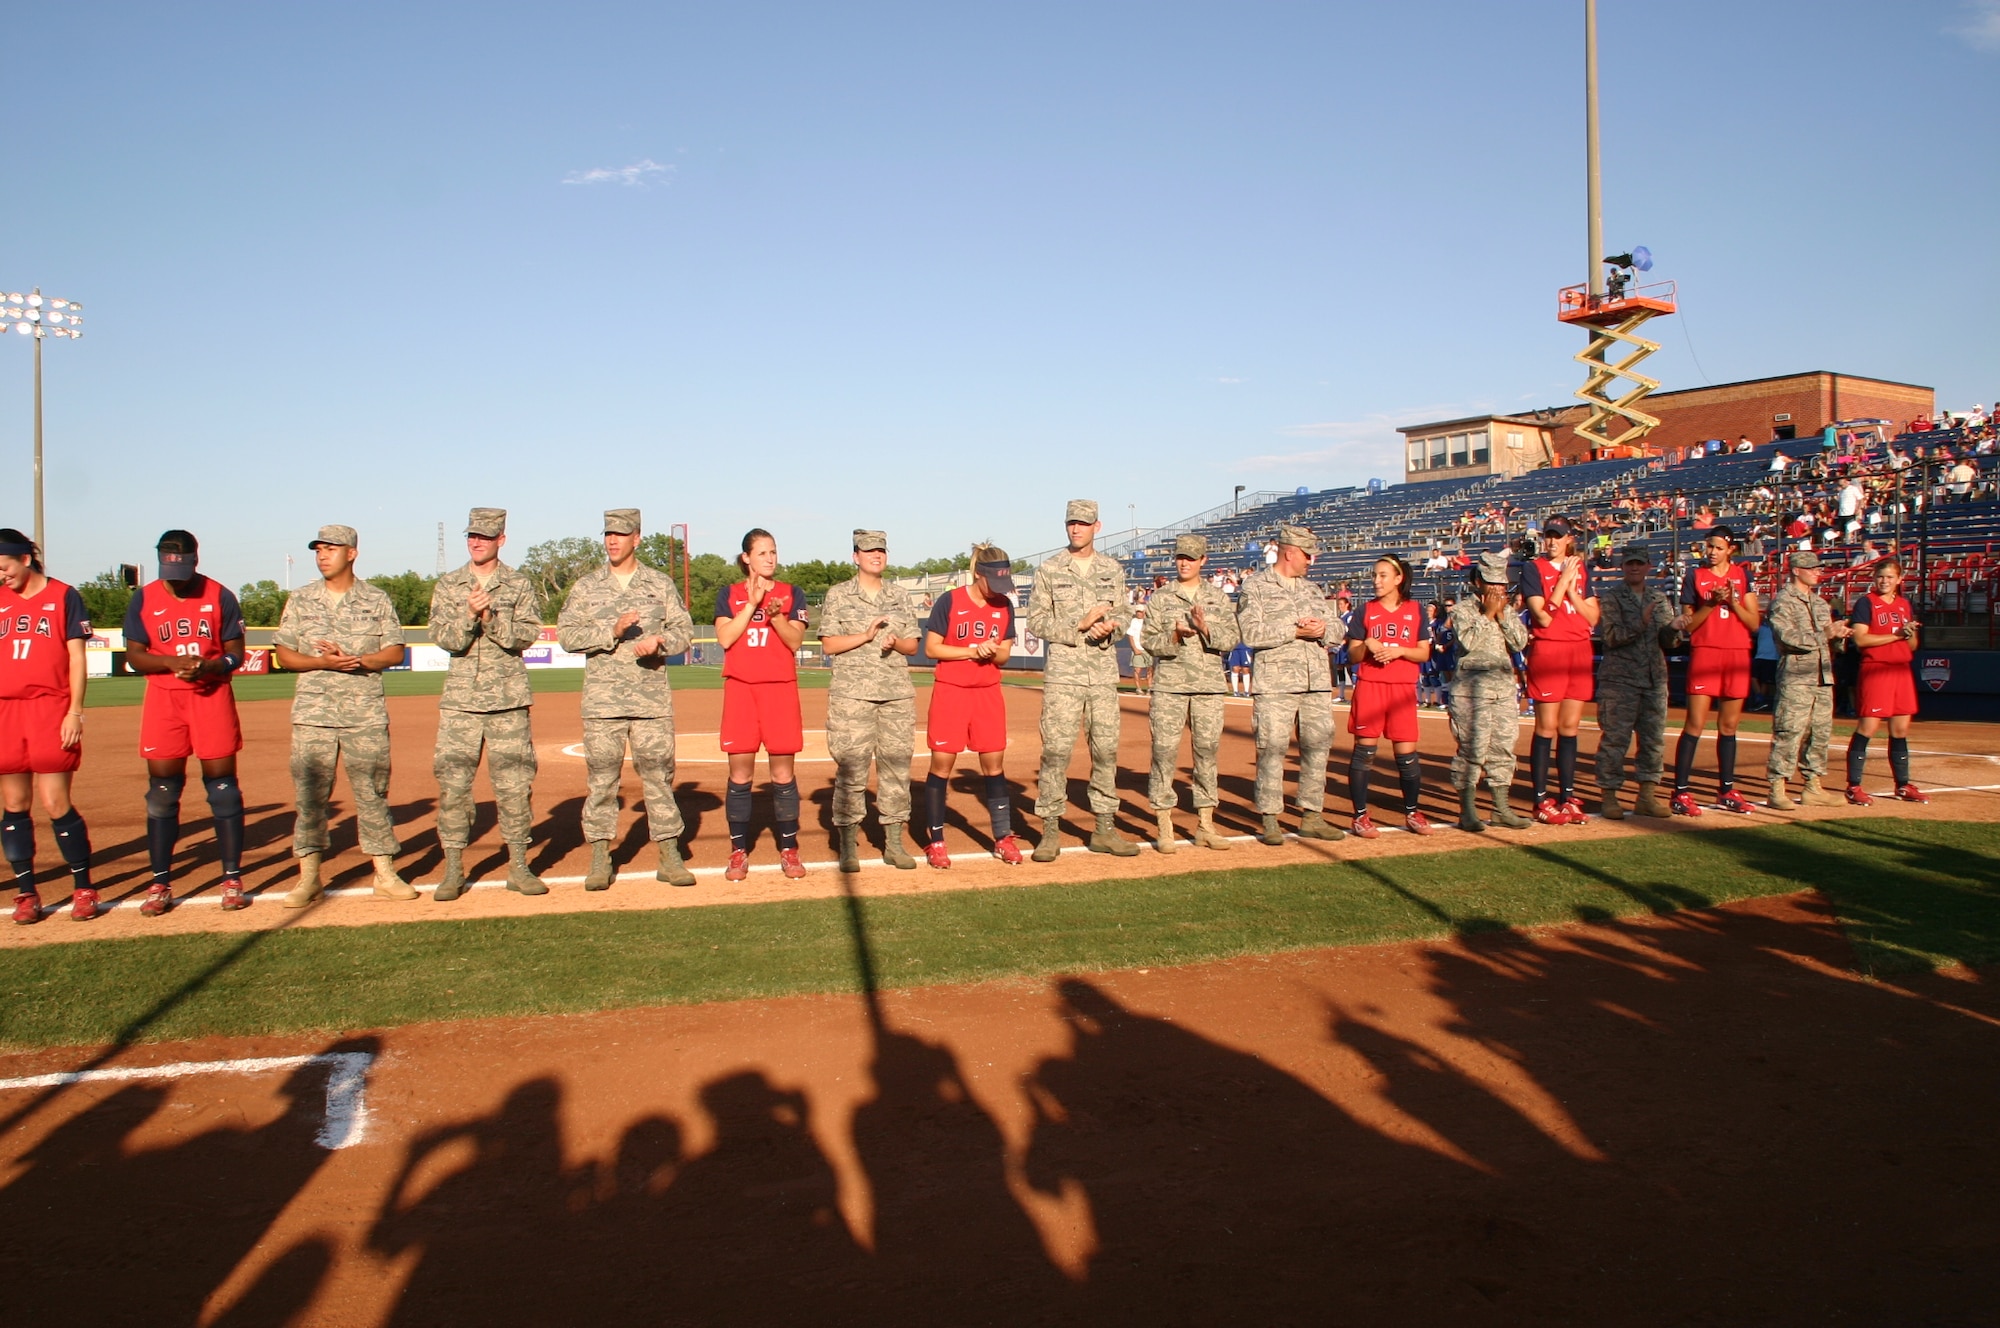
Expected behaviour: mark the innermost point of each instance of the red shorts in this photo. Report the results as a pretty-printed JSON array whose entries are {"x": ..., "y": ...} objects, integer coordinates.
[
  {"x": 966, "y": 719},
  {"x": 1384, "y": 710},
  {"x": 1722, "y": 674},
  {"x": 178, "y": 722},
  {"x": 1887, "y": 689},
  {"x": 31, "y": 737},
  {"x": 761, "y": 714},
  {"x": 1560, "y": 670}
]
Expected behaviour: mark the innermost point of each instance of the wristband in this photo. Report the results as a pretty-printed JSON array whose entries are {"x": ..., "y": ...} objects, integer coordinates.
[{"x": 231, "y": 663}]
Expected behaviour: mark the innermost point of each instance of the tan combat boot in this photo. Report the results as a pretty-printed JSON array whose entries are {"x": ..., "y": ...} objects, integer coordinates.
[
  {"x": 388, "y": 885},
  {"x": 1049, "y": 847},
  {"x": 1106, "y": 839},
  {"x": 1648, "y": 803},
  {"x": 1205, "y": 835},
  {"x": 1504, "y": 814},
  {"x": 1274, "y": 834},
  {"x": 521, "y": 877},
  {"x": 1609, "y": 807},
  {"x": 1779, "y": 799},
  {"x": 452, "y": 884},
  {"x": 1812, "y": 795},
  {"x": 850, "y": 849},
  {"x": 1164, "y": 842},
  {"x": 893, "y": 851},
  {"x": 671, "y": 869},
  {"x": 308, "y": 887},
  {"x": 599, "y": 876},
  {"x": 1314, "y": 825}
]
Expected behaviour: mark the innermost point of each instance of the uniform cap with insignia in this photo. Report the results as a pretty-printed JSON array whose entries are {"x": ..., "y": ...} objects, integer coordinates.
[
  {"x": 866, "y": 541},
  {"x": 1081, "y": 509},
  {"x": 1191, "y": 546},
  {"x": 1299, "y": 538},
  {"x": 1638, "y": 553},
  {"x": 343, "y": 536},
  {"x": 1491, "y": 568},
  {"x": 621, "y": 521},
  {"x": 1805, "y": 560},
  {"x": 488, "y": 521},
  {"x": 992, "y": 562}
]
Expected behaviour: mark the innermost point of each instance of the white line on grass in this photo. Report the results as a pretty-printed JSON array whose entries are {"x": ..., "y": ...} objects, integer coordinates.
[{"x": 346, "y": 1122}]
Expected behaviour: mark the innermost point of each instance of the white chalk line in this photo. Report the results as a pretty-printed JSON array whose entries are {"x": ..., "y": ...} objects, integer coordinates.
[{"x": 346, "y": 1120}]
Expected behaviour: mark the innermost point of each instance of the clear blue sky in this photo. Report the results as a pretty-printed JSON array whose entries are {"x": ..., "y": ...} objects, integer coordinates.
[{"x": 933, "y": 268}]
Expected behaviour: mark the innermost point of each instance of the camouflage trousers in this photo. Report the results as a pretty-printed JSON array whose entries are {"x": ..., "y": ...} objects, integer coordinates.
[
  {"x": 316, "y": 753},
  {"x": 652, "y": 743},
  {"x": 1201, "y": 714},
  {"x": 864, "y": 733},
  {"x": 1623, "y": 707},
  {"x": 1065, "y": 710},
  {"x": 1801, "y": 727},
  {"x": 1275, "y": 715},
  {"x": 1485, "y": 723},
  {"x": 510, "y": 764}
]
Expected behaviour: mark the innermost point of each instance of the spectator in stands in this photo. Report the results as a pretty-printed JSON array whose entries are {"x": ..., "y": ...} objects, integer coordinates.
[
  {"x": 1705, "y": 518},
  {"x": 1743, "y": 444},
  {"x": 1962, "y": 476},
  {"x": 1851, "y": 499},
  {"x": 1899, "y": 460}
]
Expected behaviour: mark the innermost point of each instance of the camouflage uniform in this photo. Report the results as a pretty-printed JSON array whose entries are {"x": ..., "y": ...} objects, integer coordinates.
[
  {"x": 1292, "y": 681},
  {"x": 1485, "y": 713},
  {"x": 626, "y": 699},
  {"x": 1631, "y": 683},
  {"x": 485, "y": 702},
  {"x": 1802, "y": 721},
  {"x": 1188, "y": 686},
  {"x": 1079, "y": 677},
  {"x": 340, "y": 716},
  {"x": 871, "y": 710}
]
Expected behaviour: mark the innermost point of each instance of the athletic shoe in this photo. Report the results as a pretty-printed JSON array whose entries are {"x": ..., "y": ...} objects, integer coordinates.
[
  {"x": 1572, "y": 810},
  {"x": 1911, "y": 793},
  {"x": 1733, "y": 801},
  {"x": 82, "y": 904},
  {"x": 739, "y": 865},
  {"x": 1364, "y": 828},
  {"x": 27, "y": 908},
  {"x": 1859, "y": 797},
  {"x": 1549, "y": 812},
  {"x": 788, "y": 862},
  {"x": 1417, "y": 824},
  {"x": 233, "y": 897},
  {"x": 938, "y": 856},
  {"x": 1683, "y": 804},
  {"x": 159, "y": 899},
  {"x": 1008, "y": 850}
]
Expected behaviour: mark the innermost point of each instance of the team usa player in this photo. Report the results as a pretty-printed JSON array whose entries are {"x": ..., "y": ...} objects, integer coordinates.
[
  {"x": 42, "y": 635},
  {"x": 185, "y": 633},
  {"x": 759, "y": 623},
  {"x": 970, "y": 635},
  {"x": 1562, "y": 612},
  {"x": 1885, "y": 628},
  {"x": 1719, "y": 613},
  {"x": 1388, "y": 638}
]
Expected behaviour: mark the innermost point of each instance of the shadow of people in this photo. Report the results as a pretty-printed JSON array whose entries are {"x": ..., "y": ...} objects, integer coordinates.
[{"x": 283, "y": 1290}]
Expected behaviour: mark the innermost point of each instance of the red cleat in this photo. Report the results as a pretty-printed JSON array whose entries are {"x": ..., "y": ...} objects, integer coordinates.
[
  {"x": 1683, "y": 804},
  {"x": 1911, "y": 793},
  {"x": 1733, "y": 801},
  {"x": 1549, "y": 812},
  {"x": 739, "y": 865},
  {"x": 788, "y": 862},
  {"x": 159, "y": 899},
  {"x": 27, "y": 908},
  {"x": 937, "y": 856},
  {"x": 82, "y": 904},
  {"x": 1364, "y": 828},
  {"x": 1417, "y": 824},
  {"x": 1008, "y": 850},
  {"x": 1858, "y": 796},
  {"x": 1572, "y": 810},
  {"x": 233, "y": 897}
]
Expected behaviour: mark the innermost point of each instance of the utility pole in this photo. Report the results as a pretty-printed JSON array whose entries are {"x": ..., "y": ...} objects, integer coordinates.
[
  {"x": 1595, "y": 184},
  {"x": 440, "y": 570}
]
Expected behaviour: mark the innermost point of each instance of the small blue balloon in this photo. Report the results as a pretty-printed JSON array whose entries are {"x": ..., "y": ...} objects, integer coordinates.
[{"x": 1642, "y": 258}]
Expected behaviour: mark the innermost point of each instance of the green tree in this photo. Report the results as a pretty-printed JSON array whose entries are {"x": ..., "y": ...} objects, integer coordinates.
[
  {"x": 410, "y": 592},
  {"x": 708, "y": 573},
  {"x": 105, "y": 597},
  {"x": 814, "y": 577},
  {"x": 935, "y": 566},
  {"x": 262, "y": 603},
  {"x": 553, "y": 566}
]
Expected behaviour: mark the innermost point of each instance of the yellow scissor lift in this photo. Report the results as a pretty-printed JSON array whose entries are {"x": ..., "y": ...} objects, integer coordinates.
[{"x": 1614, "y": 318}]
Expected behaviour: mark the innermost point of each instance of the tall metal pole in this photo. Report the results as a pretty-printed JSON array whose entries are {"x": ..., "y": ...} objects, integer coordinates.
[
  {"x": 1595, "y": 186},
  {"x": 41, "y": 536}
]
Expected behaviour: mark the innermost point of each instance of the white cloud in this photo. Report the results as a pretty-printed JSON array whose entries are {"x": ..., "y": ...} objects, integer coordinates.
[
  {"x": 640, "y": 172},
  {"x": 1229, "y": 382},
  {"x": 1980, "y": 28},
  {"x": 1369, "y": 441}
]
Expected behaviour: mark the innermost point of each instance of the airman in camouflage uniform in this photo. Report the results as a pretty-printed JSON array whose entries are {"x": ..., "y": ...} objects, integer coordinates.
[
  {"x": 1078, "y": 608},
  {"x": 1802, "y": 721},
  {"x": 625, "y": 618},
  {"x": 483, "y": 615},
  {"x": 1283, "y": 618},
  {"x": 868, "y": 629},
  {"x": 1635, "y": 624},
  {"x": 338, "y": 634},
  {"x": 1485, "y": 711},
  {"x": 1190, "y": 630}
]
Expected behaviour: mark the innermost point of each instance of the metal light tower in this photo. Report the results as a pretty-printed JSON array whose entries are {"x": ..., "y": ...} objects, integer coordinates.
[{"x": 35, "y": 315}]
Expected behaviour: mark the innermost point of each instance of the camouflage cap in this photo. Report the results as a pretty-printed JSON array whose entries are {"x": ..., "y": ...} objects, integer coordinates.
[
  {"x": 866, "y": 541},
  {"x": 1491, "y": 568},
  {"x": 1191, "y": 546},
  {"x": 1805, "y": 560},
  {"x": 621, "y": 521},
  {"x": 341, "y": 535},
  {"x": 1637, "y": 553},
  {"x": 488, "y": 521},
  {"x": 1299, "y": 538},
  {"x": 1080, "y": 509}
]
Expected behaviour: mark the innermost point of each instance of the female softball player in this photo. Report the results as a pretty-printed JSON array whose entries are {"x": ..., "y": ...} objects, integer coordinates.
[
  {"x": 42, "y": 631},
  {"x": 1719, "y": 613},
  {"x": 970, "y": 634},
  {"x": 759, "y": 622},
  {"x": 1562, "y": 613},
  {"x": 1885, "y": 628},
  {"x": 1388, "y": 638}
]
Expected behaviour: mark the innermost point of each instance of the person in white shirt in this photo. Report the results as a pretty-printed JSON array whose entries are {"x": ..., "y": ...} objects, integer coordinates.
[{"x": 1851, "y": 499}]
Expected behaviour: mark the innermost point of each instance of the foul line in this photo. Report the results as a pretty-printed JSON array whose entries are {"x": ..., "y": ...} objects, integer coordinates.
[{"x": 346, "y": 1122}]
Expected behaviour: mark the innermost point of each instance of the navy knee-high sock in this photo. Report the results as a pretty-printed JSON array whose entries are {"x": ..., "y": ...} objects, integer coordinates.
[
  {"x": 999, "y": 806},
  {"x": 1566, "y": 765},
  {"x": 737, "y": 808},
  {"x": 17, "y": 845},
  {"x": 1857, "y": 758},
  {"x": 1684, "y": 761},
  {"x": 1410, "y": 774},
  {"x": 1725, "y": 761},
  {"x": 935, "y": 788},
  {"x": 1899, "y": 760},
  {"x": 1357, "y": 777},
  {"x": 73, "y": 842},
  {"x": 1538, "y": 764},
  {"x": 785, "y": 806}
]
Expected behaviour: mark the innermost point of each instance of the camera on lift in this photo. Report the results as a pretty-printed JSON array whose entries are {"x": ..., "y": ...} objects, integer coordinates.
[{"x": 1624, "y": 270}]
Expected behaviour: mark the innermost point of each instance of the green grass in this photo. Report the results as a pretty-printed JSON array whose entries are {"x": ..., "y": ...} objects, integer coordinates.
[
  {"x": 1912, "y": 894},
  {"x": 546, "y": 682}
]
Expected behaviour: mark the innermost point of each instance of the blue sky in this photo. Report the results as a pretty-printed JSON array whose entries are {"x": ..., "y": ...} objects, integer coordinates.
[{"x": 932, "y": 268}]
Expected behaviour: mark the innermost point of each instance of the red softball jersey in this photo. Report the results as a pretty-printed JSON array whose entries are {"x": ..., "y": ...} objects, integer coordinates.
[
  {"x": 760, "y": 655},
  {"x": 1538, "y": 577},
  {"x": 35, "y": 632},
  {"x": 1405, "y": 625},
  {"x": 1722, "y": 629},
  {"x": 959, "y": 621},
  {"x": 1883, "y": 617},
  {"x": 193, "y": 624}
]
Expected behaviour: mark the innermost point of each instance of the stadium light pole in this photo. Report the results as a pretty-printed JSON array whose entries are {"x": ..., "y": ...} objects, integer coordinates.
[
  {"x": 34, "y": 315},
  {"x": 681, "y": 526},
  {"x": 1594, "y": 187}
]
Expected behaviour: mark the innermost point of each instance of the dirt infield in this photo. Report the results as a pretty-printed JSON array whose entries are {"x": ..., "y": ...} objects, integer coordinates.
[
  {"x": 1704, "y": 1118},
  {"x": 111, "y": 788}
]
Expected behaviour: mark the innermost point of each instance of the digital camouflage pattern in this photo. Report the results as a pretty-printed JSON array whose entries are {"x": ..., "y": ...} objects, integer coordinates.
[
  {"x": 863, "y": 733},
  {"x": 1065, "y": 590},
  {"x": 486, "y": 669},
  {"x": 1189, "y": 683},
  {"x": 652, "y": 745},
  {"x": 1067, "y": 710},
  {"x": 1802, "y": 716},
  {"x": 360, "y": 622},
  {"x": 1267, "y": 615},
  {"x": 1632, "y": 682},
  {"x": 364, "y": 749},
  {"x": 1485, "y": 698},
  {"x": 1200, "y": 714},
  {"x": 617, "y": 684},
  {"x": 510, "y": 764},
  {"x": 867, "y": 672}
]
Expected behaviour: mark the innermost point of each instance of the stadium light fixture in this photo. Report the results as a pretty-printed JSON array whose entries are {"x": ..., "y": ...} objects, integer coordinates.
[{"x": 33, "y": 315}]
